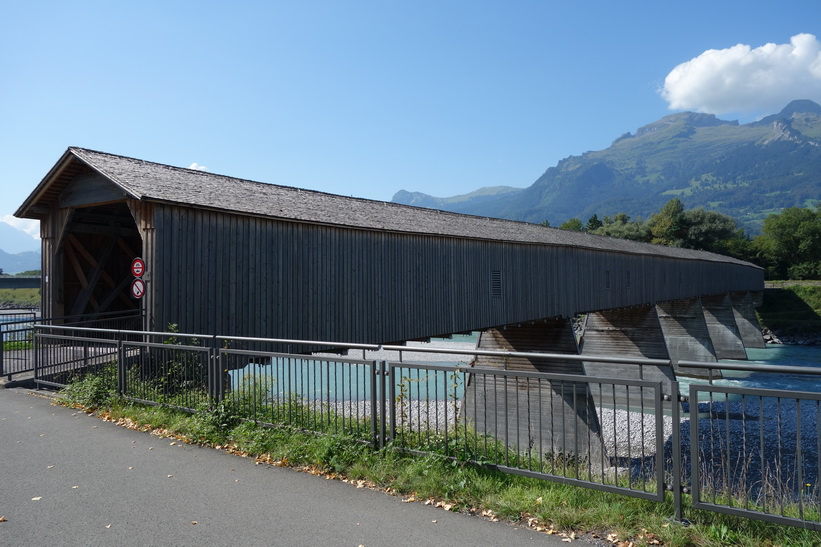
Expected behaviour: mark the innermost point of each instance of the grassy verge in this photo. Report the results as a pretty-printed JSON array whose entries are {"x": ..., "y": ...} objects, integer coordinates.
[
  {"x": 22, "y": 298},
  {"x": 17, "y": 345},
  {"x": 792, "y": 307},
  {"x": 452, "y": 485}
]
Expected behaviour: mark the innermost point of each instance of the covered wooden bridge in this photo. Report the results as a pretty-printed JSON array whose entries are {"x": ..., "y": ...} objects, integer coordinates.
[
  {"x": 220, "y": 255},
  {"x": 231, "y": 256}
]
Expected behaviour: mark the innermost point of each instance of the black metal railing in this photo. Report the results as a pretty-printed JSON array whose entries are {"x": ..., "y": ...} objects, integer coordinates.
[
  {"x": 736, "y": 450},
  {"x": 17, "y": 331}
]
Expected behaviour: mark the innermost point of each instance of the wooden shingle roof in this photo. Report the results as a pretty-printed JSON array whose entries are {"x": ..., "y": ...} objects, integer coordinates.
[{"x": 143, "y": 180}]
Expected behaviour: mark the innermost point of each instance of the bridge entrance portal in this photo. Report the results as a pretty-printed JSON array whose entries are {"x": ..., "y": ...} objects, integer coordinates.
[{"x": 91, "y": 273}]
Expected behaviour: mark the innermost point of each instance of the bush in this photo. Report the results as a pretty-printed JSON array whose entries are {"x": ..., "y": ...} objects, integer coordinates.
[{"x": 92, "y": 391}]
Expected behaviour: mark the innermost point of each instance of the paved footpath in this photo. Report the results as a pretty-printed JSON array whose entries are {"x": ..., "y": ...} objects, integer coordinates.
[{"x": 67, "y": 478}]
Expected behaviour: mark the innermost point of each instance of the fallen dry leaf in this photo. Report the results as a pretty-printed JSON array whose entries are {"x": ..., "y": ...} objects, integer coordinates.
[
  {"x": 193, "y": 522},
  {"x": 108, "y": 526},
  {"x": 3, "y": 519},
  {"x": 38, "y": 498}
]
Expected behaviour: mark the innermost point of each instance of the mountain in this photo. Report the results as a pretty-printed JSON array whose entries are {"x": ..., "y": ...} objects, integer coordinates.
[
  {"x": 473, "y": 203},
  {"x": 744, "y": 170},
  {"x": 13, "y": 240},
  {"x": 20, "y": 262},
  {"x": 19, "y": 252}
]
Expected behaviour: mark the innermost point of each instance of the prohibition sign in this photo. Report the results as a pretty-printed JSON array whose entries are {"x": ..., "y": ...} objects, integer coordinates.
[
  {"x": 137, "y": 288},
  {"x": 137, "y": 267}
]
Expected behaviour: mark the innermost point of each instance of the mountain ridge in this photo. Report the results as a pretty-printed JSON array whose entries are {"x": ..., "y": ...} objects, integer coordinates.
[
  {"x": 705, "y": 161},
  {"x": 19, "y": 252}
]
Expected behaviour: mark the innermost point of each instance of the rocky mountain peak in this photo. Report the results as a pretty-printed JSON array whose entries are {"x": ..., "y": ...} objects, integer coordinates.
[{"x": 801, "y": 106}]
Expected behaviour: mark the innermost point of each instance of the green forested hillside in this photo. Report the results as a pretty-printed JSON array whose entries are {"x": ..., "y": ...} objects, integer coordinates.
[{"x": 746, "y": 171}]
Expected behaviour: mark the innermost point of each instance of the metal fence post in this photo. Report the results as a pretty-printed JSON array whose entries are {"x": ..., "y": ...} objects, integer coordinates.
[
  {"x": 677, "y": 399},
  {"x": 382, "y": 403},
  {"x": 121, "y": 384},
  {"x": 36, "y": 349},
  {"x": 217, "y": 373},
  {"x": 2, "y": 351},
  {"x": 392, "y": 403},
  {"x": 374, "y": 427}
]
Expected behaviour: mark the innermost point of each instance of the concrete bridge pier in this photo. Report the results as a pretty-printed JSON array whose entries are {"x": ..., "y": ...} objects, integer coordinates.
[
  {"x": 745, "y": 318},
  {"x": 627, "y": 332},
  {"x": 721, "y": 323},
  {"x": 540, "y": 417},
  {"x": 685, "y": 333}
]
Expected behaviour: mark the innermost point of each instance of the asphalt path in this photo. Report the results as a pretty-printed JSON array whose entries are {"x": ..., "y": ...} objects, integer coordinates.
[{"x": 67, "y": 478}]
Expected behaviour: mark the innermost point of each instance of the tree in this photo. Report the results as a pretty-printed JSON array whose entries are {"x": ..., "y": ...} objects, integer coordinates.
[
  {"x": 667, "y": 227},
  {"x": 545, "y": 223},
  {"x": 574, "y": 224},
  {"x": 790, "y": 244},
  {"x": 593, "y": 223},
  {"x": 622, "y": 227},
  {"x": 709, "y": 230}
]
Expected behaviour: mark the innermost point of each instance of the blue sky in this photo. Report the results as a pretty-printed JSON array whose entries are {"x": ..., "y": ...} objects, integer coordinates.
[{"x": 368, "y": 98}]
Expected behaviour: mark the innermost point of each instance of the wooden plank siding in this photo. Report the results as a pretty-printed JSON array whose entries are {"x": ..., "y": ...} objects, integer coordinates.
[
  {"x": 238, "y": 257},
  {"x": 217, "y": 272}
]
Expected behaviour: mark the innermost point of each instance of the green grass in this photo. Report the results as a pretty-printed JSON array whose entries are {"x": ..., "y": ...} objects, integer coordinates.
[
  {"x": 454, "y": 485},
  {"x": 19, "y": 298},
  {"x": 17, "y": 345}
]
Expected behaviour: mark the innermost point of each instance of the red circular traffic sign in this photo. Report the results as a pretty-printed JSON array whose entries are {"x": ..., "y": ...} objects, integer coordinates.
[
  {"x": 138, "y": 288},
  {"x": 137, "y": 267}
]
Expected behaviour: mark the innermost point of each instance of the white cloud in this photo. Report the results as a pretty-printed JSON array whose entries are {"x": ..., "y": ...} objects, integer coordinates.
[
  {"x": 31, "y": 227},
  {"x": 747, "y": 80},
  {"x": 197, "y": 167}
]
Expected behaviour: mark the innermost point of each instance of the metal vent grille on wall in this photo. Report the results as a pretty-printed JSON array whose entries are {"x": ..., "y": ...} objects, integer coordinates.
[{"x": 496, "y": 283}]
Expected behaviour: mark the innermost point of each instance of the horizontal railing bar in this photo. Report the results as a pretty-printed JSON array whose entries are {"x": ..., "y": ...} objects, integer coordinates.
[
  {"x": 536, "y": 355},
  {"x": 786, "y": 369},
  {"x": 755, "y": 392},
  {"x": 28, "y": 321},
  {"x": 123, "y": 331},
  {"x": 160, "y": 345},
  {"x": 343, "y": 345},
  {"x": 758, "y": 515},
  {"x": 255, "y": 353},
  {"x": 489, "y": 371},
  {"x": 76, "y": 339}
]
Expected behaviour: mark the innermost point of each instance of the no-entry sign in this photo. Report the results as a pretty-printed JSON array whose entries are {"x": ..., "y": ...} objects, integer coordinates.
[
  {"x": 138, "y": 288},
  {"x": 137, "y": 267}
]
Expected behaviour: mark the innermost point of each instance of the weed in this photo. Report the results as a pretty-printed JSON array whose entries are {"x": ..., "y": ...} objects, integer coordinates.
[{"x": 93, "y": 390}]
